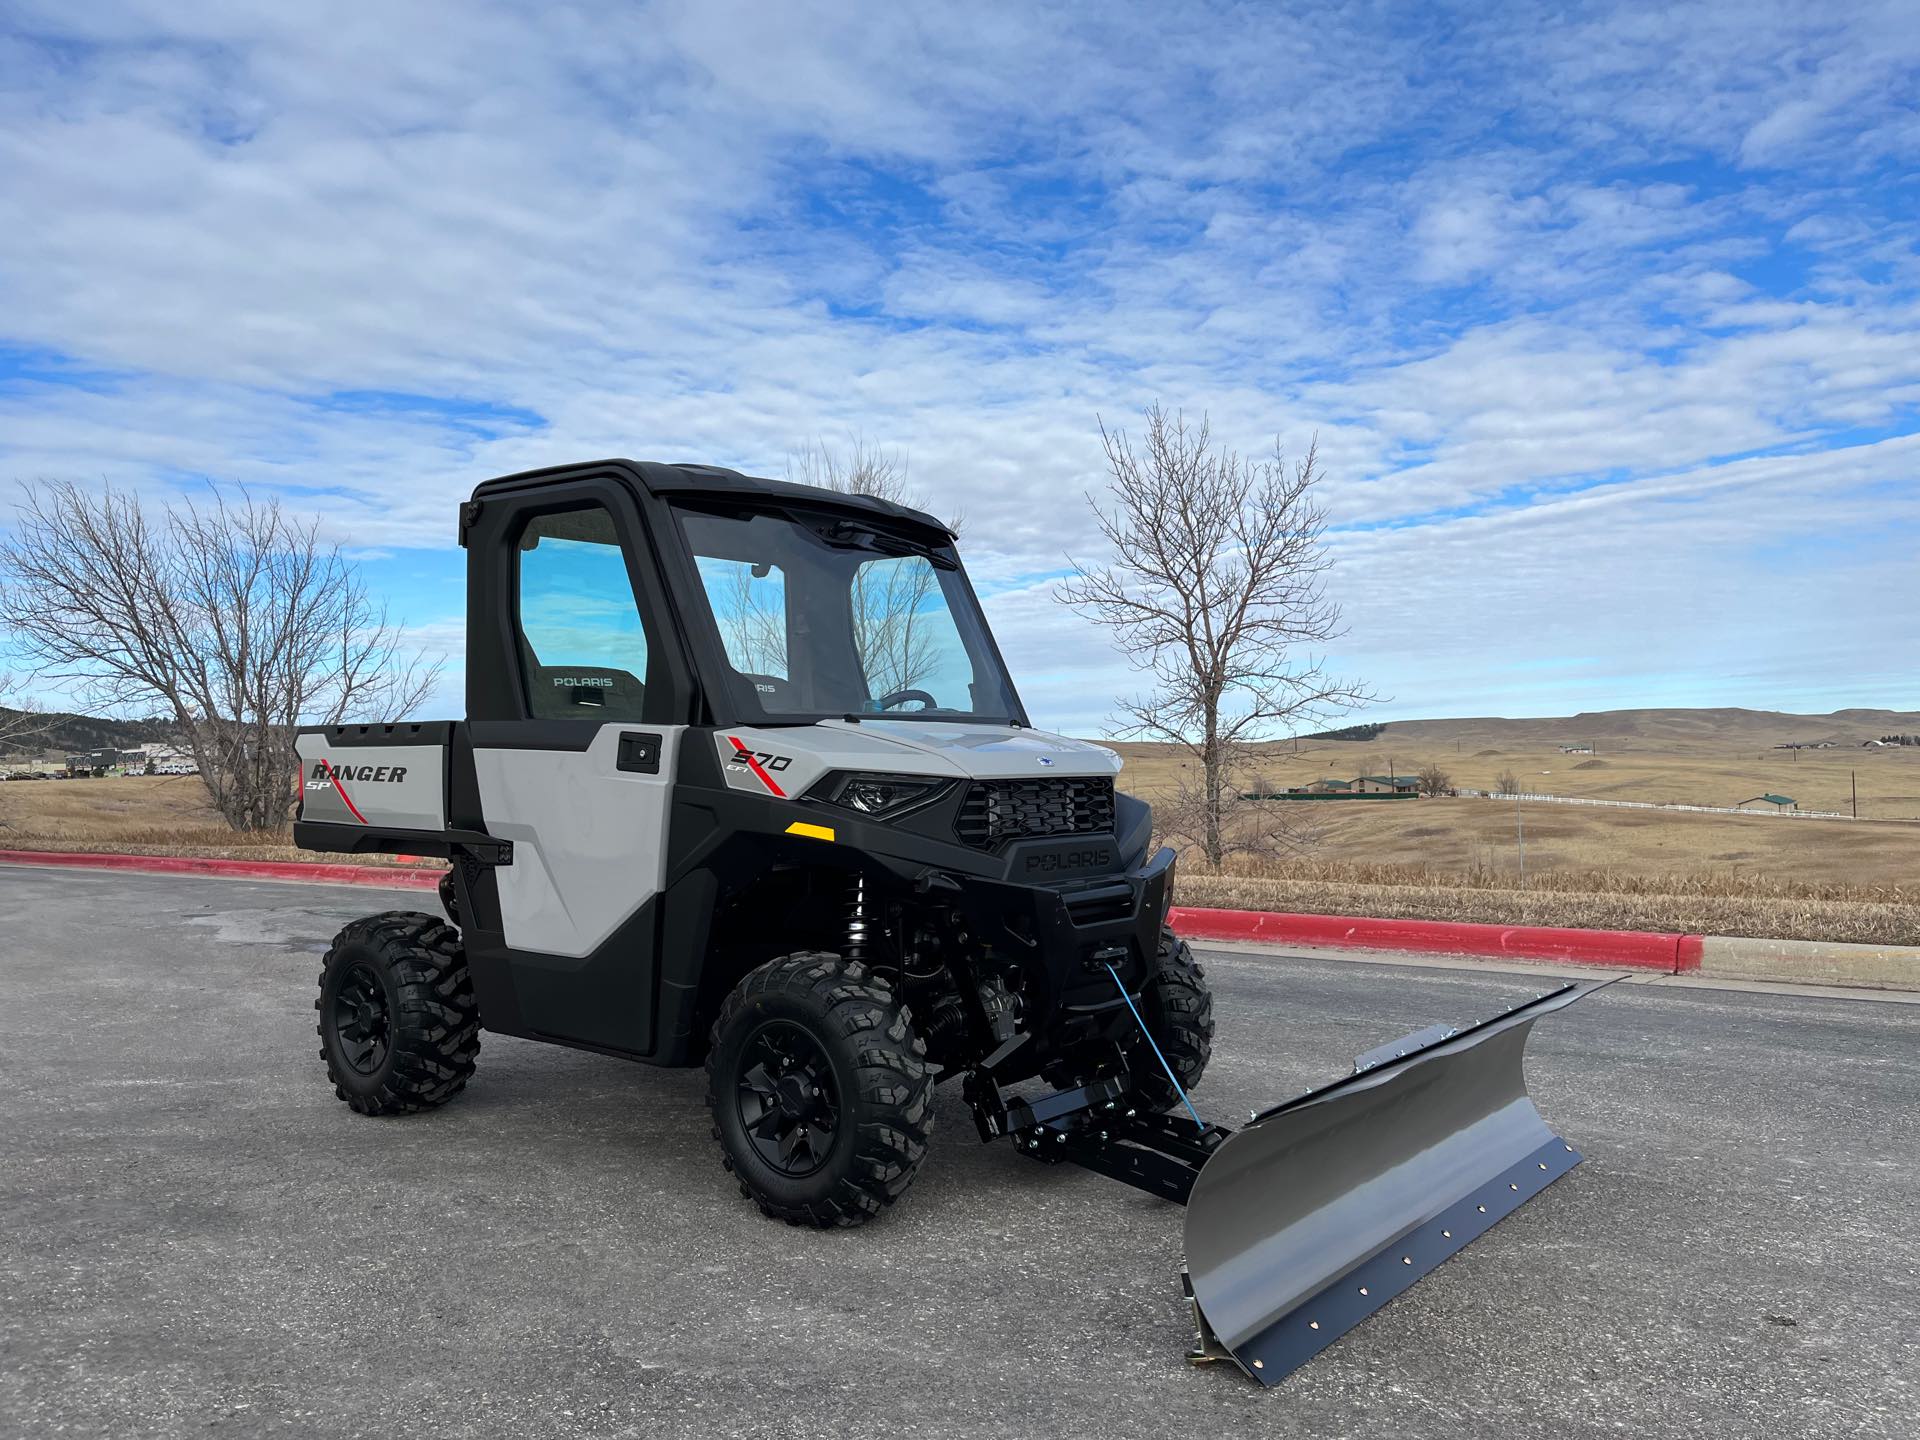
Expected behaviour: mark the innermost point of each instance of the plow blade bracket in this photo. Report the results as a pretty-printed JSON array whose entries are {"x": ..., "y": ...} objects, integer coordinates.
[{"x": 1326, "y": 1207}]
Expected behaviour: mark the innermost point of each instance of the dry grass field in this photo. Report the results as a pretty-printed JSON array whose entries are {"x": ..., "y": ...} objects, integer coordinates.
[
  {"x": 1461, "y": 858},
  {"x": 145, "y": 814},
  {"x": 1452, "y": 858}
]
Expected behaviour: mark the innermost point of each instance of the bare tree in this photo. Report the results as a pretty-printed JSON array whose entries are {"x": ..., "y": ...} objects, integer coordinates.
[
  {"x": 753, "y": 620},
  {"x": 231, "y": 615},
  {"x": 890, "y": 595},
  {"x": 1435, "y": 781},
  {"x": 1216, "y": 589},
  {"x": 1506, "y": 783},
  {"x": 21, "y": 720},
  {"x": 856, "y": 467}
]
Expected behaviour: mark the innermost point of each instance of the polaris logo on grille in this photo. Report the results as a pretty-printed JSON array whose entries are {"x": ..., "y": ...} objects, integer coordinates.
[
  {"x": 1096, "y": 857},
  {"x": 1044, "y": 759}
]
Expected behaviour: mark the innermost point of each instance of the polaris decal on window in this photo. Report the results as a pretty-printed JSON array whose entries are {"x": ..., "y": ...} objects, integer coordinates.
[{"x": 581, "y": 682}]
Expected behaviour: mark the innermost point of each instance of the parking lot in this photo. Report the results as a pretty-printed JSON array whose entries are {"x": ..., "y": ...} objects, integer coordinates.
[{"x": 198, "y": 1237}]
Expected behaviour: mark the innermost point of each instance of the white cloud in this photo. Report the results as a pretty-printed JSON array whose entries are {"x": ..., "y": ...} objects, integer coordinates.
[{"x": 1485, "y": 260}]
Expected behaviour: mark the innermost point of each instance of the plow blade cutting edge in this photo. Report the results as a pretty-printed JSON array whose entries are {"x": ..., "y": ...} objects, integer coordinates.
[{"x": 1324, "y": 1208}]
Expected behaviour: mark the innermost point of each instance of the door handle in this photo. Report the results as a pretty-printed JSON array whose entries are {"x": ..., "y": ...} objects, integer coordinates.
[{"x": 640, "y": 753}]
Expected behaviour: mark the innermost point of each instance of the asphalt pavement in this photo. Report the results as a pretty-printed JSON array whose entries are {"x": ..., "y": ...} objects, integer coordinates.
[{"x": 196, "y": 1237}]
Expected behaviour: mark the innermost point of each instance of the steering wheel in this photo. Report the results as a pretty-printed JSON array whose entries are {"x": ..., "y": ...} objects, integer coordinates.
[{"x": 900, "y": 697}]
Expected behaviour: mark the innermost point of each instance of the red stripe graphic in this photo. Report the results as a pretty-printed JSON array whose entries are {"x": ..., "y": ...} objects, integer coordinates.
[
  {"x": 754, "y": 765},
  {"x": 341, "y": 791}
]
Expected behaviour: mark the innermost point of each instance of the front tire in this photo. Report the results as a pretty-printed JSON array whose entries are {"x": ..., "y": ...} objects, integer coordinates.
[
  {"x": 1178, "y": 1008},
  {"x": 399, "y": 1026},
  {"x": 821, "y": 1097}
]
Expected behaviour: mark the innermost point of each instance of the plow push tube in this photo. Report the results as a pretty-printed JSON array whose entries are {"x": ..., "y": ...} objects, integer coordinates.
[{"x": 1324, "y": 1208}]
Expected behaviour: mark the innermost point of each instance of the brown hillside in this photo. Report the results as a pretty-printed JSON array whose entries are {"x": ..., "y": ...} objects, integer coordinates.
[{"x": 1659, "y": 727}]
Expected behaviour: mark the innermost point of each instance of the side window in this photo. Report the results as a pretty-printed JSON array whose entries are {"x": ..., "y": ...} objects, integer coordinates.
[{"x": 583, "y": 645}]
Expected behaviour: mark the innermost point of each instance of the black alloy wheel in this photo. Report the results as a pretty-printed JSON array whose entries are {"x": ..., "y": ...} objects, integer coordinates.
[
  {"x": 789, "y": 1103},
  {"x": 362, "y": 1020},
  {"x": 821, "y": 1097},
  {"x": 399, "y": 1026}
]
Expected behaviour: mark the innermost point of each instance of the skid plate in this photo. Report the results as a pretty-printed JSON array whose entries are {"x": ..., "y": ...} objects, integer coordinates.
[{"x": 1326, "y": 1207}]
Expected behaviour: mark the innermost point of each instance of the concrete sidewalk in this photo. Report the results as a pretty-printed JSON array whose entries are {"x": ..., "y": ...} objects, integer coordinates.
[{"x": 1811, "y": 962}]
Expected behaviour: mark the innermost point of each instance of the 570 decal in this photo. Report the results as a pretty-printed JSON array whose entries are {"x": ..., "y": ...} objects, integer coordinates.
[{"x": 763, "y": 765}]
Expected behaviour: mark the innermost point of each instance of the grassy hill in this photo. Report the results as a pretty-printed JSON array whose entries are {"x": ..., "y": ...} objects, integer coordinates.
[
  {"x": 1662, "y": 757},
  {"x": 1636, "y": 729},
  {"x": 63, "y": 734},
  {"x": 1548, "y": 863}
]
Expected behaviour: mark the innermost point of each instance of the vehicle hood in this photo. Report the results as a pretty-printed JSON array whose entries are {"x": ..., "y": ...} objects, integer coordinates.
[
  {"x": 990, "y": 752},
  {"x": 784, "y": 761}
]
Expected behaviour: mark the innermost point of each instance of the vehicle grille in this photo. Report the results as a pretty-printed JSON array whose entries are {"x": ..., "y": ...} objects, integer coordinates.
[{"x": 995, "y": 811}]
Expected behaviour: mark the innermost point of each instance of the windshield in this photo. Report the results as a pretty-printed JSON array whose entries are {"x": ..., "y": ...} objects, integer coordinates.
[{"x": 830, "y": 615}]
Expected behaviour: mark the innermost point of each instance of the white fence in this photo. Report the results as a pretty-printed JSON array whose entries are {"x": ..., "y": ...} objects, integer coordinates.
[{"x": 1657, "y": 805}]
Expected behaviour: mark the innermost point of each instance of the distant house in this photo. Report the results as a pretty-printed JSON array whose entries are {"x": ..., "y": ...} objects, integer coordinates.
[
  {"x": 1372, "y": 787},
  {"x": 1576, "y": 749},
  {"x": 1384, "y": 784}
]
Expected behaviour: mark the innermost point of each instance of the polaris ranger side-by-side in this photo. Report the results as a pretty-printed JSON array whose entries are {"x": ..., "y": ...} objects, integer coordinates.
[{"x": 744, "y": 782}]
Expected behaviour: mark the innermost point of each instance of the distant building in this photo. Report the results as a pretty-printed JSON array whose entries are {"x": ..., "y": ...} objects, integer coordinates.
[
  {"x": 105, "y": 762},
  {"x": 1366, "y": 786},
  {"x": 1576, "y": 749},
  {"x": 1384, "y": 784},
  {"x": 1779, "y": 802}
]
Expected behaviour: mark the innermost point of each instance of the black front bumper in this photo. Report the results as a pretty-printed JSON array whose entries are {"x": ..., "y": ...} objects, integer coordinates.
[{"x": 1069, "y": 934}]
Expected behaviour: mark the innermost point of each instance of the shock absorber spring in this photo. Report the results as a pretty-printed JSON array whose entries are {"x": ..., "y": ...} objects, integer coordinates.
[{"x": 859, "y": 932}]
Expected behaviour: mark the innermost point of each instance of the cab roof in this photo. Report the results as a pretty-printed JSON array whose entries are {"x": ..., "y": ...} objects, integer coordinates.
[{"x": 717, "y": 482}]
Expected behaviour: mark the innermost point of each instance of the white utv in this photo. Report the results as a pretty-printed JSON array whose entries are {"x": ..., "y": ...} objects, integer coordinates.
[{"x": 744, "y": 782}]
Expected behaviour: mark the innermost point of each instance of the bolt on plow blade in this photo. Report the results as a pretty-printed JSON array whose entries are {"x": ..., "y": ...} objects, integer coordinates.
[{"x": 1326, "y": 1207}]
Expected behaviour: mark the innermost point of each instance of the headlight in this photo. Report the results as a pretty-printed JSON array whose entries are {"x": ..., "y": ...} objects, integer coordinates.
[{"x": 879, "y": 796}]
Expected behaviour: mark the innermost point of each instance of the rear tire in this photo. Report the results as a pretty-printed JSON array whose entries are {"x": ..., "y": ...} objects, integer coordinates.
[
  {"x": 399, "y": 1027},
  {"x": 1178, "y": 1008},
  {"x": 821, "y": 1097}
]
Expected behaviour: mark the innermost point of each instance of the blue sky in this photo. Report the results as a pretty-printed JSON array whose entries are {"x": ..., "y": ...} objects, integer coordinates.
[{"x": 1607, "y": 319}]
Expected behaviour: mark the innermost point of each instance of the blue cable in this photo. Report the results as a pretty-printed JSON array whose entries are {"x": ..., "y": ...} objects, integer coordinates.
[{"x": 1156, "y": 1048}]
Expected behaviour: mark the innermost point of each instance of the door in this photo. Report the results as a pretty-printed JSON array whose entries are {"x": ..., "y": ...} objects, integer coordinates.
[{"x": 577, "y": 774}]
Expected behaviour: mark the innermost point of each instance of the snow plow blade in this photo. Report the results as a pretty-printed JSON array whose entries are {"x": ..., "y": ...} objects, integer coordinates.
[{"x": 1324, "y": 1208}]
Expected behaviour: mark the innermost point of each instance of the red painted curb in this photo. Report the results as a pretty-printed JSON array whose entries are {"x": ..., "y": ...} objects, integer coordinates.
[
  {"x": 380, "y": 876},
  {"x": 1629, "y": 948},
  {"x": 1686, "y": 954},
  {"x": 1673, "y": 953}
]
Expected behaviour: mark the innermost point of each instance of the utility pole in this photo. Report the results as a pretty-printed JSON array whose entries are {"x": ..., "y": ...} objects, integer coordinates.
[{"x": 1854, "y": 776}]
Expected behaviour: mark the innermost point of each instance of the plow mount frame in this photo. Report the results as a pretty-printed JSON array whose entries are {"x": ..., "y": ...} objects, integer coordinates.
[{"x": 1436, "y": 1216}]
